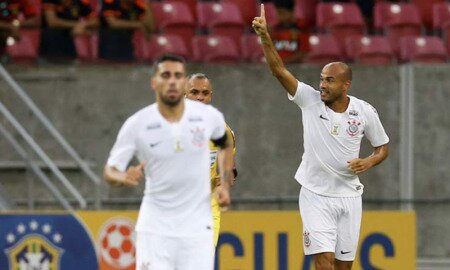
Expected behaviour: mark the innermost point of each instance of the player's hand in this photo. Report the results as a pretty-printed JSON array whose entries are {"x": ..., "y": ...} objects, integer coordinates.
[
  {"x": 260, "y": 24},
  {"x": 223, "y": 197},
  {"x": 134, "y": 175},
  {"x": 359, "y": 165}
]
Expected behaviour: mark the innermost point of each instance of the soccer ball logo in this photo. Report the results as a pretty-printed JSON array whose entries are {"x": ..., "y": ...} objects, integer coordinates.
[{"x": 117, "y": 243}]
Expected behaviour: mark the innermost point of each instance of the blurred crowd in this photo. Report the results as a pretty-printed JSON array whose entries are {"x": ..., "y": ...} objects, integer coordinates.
[
  {"x": 309, "y": 31},
  {"x": 60, "y": 20}
]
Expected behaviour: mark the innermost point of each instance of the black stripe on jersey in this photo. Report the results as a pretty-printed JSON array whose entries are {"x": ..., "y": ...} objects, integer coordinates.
[{"x": 221, "y": 142}]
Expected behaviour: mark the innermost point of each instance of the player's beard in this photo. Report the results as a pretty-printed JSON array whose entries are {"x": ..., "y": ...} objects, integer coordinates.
[{"x": 171, "y": 102}]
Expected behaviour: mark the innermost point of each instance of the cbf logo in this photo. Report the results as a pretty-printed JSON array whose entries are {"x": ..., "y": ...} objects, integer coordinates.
[
  {"x": 45, "y": 242},
  {"x": 34, "y": 247}
]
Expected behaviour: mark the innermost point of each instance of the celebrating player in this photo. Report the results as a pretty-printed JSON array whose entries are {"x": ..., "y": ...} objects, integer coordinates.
[{"x": 333, "y": 125}]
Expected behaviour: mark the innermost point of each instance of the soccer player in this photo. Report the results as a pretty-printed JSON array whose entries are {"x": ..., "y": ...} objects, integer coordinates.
[
  {"x": 170, "y": 138},
  {"x": 199, "y": 88},
  {"x": 333, "y": 126}
]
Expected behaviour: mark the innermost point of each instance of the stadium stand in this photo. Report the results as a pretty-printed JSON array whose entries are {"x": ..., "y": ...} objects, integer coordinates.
[
  {"x": 215, "y": 49},
  {"x": 251, "y": 48},
  {"x": 324, "y": 49},
  {"x": 426, "y": 49},
  {"x": 86, "y": 47},
  {"x": 247, "y": 7},
  {"x": 160, "y": 44},
  {"x": 425, "y": 8},
  {"x": 441, "y": 22},
  {"x": 397, "y": 20},
  {"x": 340, "y": 19},
  {"x": 174, "y": 18},
  {"x": 372, "y": 50},
  {"x": 192, "y": 4},
  {"x": 305, "y": 11},
  {"x": 27, "y": 48},
  {"x": 221, "y": 19}
]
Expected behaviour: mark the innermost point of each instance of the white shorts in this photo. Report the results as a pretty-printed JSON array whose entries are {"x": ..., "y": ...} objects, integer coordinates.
[
  {"x": 156, "y": 252},
  {"x": 330, "y": 224}
]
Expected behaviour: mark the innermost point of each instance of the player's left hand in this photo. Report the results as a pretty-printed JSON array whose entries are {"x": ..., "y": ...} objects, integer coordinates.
[
  {"x": 359, "y": 165},
  {"x": 223, "y": 197}
]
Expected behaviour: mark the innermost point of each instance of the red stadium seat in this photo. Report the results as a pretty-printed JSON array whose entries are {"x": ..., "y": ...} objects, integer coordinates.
[
  {"x": 192, "y": 5},
  {"x": 247, "y": 7},
  {"x": 215, "y": 49},
  {"x": 222, "y": 19},
  {"x": 374, "y": 50},
  {"x": 323, "y": 49},
  {"x": 441, "y": 15},
  {"x": 27, "y": 48},
  {"x": 305, "y": 11},
  {"x": 161, "y": 44},
  {"x": 271, "y": 14},
  {"x": 428, "y": 49},
  {"x": 340, "y": 19},
  {"x": 425, "y": 8},
  {"x": 87, "y": 47},
  {"x": 174, "y": 18},
  {"x": 397, "y": 20},
  {"x": 441, "y": 21},
  {"x": 251, "y": 48}
]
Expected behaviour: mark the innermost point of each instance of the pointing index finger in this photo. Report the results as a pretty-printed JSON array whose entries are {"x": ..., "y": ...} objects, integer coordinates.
[{"x": 263, "y": 13}]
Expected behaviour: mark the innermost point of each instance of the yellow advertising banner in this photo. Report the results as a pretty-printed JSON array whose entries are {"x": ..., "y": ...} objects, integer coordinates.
[
  {"x": 273, "y": 240},
  {"x": 264, "y": 240}
]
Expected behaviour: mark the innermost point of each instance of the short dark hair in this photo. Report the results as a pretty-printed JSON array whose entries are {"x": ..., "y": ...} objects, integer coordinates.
[
  {"x": 286, "y": 4},
  {"x": 167, "y": 57},
  {"x": 200, "y": 76}
]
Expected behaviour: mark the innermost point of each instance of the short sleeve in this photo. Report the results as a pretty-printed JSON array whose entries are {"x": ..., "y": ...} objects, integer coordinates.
[
  {"x": 124, "y": 148},
  {"x": 217, "y": 123},
  {"x": 305, "y": 95},
  {"x": 374, "y": 130}
]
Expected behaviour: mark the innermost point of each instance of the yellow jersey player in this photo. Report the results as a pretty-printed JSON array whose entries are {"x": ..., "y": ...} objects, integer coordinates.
[{"x": 199, "y": 88}]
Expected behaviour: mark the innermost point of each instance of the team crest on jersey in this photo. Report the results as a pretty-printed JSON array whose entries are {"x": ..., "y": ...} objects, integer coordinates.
[
  {"x": 306, "y": 239},
  {"x": 353, "y": 127},
  {"x": 45, "y": 242},
  {"x": 198, "y": 136}
]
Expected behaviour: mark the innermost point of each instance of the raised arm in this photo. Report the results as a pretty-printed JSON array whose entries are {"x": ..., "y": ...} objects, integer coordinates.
[{"x": 274, "y": 61}]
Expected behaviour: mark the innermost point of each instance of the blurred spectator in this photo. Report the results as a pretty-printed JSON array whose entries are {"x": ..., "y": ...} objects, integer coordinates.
[
  {"x": 14, "y": 15},
  {"x": 62, "y": 19},
  {"x": 290, "y": 36},
  {"x": 119, "y": 19}
]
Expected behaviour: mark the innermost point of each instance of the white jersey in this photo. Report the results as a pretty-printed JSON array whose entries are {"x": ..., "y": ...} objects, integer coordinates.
[
  {"x": 177, "y": 188},
  {"x": 331, "y": 139}
]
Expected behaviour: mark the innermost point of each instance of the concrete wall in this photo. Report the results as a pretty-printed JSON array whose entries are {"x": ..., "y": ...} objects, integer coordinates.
[{"x": 88, "y": 104}]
